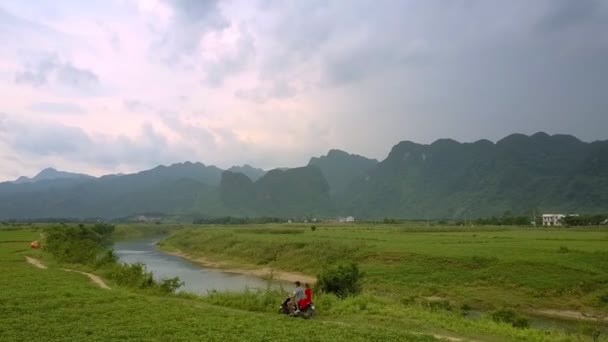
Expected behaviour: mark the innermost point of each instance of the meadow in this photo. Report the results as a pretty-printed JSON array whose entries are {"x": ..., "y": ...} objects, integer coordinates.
[
  {"x": 473, "y": 271},
  {"x": 55, "y": 305},
  {"x": 420, "y": 284}
]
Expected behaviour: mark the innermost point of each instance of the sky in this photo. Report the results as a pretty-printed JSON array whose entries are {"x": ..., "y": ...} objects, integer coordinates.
[{"x": 124, "y": 85}]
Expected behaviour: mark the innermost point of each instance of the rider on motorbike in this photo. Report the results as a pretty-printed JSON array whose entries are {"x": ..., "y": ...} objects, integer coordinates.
[{"x": 298, "y": 295}]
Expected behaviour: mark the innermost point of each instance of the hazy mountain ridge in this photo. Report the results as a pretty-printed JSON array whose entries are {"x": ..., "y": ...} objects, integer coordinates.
[
  {"x": 518, "y": 174},
  {"x": 51, "y": 174},
  {"x": 340, "y": 168},
  {"x": 445, "y": 179}
]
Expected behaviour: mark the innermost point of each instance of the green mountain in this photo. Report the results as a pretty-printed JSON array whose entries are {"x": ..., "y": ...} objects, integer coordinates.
[
  {"x": 297, "y": 192},
  {"x": 445, "y": 179},
  {"x": 51, "y": 174},
  {"x": 341, "y": 168},
  {"x": 179, "y": 188},
  {"x": 253, "y": 173},
  {"x": 517, "y": 175}
]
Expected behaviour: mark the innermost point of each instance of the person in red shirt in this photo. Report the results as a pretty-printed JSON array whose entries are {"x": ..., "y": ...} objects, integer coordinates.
[{"x": 303, "y": 303}]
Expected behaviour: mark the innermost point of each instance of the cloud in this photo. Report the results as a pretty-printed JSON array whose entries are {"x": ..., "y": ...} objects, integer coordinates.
[
  {"x": 56, "y": 108},
  {"x": 234, "y": 77},
  {"x": 49, "y": 68},
  {"x": 231, "y": 62},
  {"x": 278, "y": 90},
  {"x": 137, "y": 106},
  {"x": 51, "y": 140},
  {"x": 189, "y": 21}
]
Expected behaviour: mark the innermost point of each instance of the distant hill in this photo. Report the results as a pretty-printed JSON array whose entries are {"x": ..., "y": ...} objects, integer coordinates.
[
  {"x": 178, "y": 188},
  {"x": 341, "y": 168},
  {"x": 445, "y": 179},
  {"x": 249, "y": 171},
  {"x": 296, "y": 192},
  {"x": 51, "y": 174},
  {"x": 518, "y": 174}
]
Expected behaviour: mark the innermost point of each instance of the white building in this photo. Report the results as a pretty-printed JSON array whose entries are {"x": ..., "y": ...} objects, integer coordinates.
[
  {"x": 553, "y": 219},
  {"x": 346, "y": 219}
]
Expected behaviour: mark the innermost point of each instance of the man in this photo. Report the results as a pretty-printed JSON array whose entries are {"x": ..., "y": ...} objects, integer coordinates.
[{"x": 298, "y": 295}]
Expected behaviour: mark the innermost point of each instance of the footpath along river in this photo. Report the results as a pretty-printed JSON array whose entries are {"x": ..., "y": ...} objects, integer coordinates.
[{"x": 198, "y": 280}]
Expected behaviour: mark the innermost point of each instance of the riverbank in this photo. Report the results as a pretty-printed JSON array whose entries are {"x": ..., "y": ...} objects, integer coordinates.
[{"x": 265, "y": 273}]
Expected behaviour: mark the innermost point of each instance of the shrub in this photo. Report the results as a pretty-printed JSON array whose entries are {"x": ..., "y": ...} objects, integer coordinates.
[
  {"x": 313, "y": 228},
  {"x": 132, "y": 275},
  {"x": 169, "y": 285},
  {"x": 342, "y": 280},
  {"x": 510, "y": 317}
]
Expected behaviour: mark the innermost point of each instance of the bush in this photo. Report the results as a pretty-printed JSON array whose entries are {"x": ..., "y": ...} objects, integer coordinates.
[
  {"x": 169, "y": 285},
  {"x": 510, "y": 317},
  {"x": 313, "y": 228},
  {"x": 342, "y": 280}
]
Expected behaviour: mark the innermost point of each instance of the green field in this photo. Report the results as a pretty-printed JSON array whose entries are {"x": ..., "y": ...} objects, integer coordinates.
[
  {"x": 485, "y": 269},
  {"x": 54, "y": 305},
  {"x": 403, "y": 265}
]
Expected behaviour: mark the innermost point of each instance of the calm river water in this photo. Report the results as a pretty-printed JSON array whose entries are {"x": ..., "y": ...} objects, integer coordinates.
[{"x": 197, "y": 279}]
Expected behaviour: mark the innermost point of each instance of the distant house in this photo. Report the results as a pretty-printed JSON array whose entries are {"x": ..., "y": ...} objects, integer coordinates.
[
  {"x": 553, "y": 219},
  {"x": 346, "y": 219}
]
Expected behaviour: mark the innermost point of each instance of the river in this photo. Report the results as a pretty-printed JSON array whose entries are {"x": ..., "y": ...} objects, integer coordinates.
[{"x": 197, "y": 279}]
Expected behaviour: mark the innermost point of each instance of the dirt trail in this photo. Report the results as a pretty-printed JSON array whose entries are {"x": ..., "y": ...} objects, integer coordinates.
[
  {"x": 35, "y": 262},
  {"x": 258, "y": 272},
  {"x": 574, "y": 315},
  {"x": 96, "y": 279}
]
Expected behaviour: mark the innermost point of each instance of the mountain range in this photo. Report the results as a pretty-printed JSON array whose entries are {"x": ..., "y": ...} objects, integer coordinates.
[{"x": 442, "y": 180}]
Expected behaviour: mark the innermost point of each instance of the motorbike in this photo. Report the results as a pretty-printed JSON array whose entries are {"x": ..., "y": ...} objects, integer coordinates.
[{"x": 289, "y": 309}]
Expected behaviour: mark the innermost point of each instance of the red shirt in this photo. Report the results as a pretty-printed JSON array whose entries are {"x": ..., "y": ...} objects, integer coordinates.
[{"x": 303, "y": 303}]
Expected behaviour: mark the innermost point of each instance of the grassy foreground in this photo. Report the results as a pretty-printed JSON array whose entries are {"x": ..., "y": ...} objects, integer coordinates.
[{"x": 54, "y": 305}]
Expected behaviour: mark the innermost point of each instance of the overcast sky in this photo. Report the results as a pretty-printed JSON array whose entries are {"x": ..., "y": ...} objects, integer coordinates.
[{"x": 120, "y": 86}]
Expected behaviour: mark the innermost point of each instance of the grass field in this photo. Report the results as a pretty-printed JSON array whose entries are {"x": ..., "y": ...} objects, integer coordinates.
[
  {"x": 52, "y": 304},
  {"x": 486, "y": 269}
]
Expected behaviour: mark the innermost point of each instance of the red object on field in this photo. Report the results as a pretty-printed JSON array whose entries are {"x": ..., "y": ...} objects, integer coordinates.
[
  {"x": 35, "y": 244},
  {"x": 303, "y": 303}
]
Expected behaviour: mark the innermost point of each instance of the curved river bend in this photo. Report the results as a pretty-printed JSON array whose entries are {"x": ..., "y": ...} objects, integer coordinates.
[{"x": 197, "y": 280}]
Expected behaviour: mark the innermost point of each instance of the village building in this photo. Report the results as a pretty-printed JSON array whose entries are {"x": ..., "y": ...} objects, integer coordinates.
[{"x": 550, "y": 220}]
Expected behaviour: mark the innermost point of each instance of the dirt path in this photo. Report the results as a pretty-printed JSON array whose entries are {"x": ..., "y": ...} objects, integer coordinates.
[
  {"x": 35, "y": 262},
  {"x": 95, "y": 279},
  {"x": 573, "y": 315},
  {"x": 263, "y": 272}
]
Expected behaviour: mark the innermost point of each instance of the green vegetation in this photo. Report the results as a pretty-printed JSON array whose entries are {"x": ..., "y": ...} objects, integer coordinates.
[
  {"x": 343, "y": 280},
  {"x": 500, "y": 278},
  {"x": 54, "y": 305},
  {"x": 84, "y": 246}
]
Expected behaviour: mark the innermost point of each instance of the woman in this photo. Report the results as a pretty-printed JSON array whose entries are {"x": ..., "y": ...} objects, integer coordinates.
[{"x": 303, "y": 303}]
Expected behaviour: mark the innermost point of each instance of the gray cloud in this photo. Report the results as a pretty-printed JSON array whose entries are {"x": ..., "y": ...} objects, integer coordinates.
[
  {"x": 49, "y": 139},
  {"x": 50, "y": 68},
  {"x": 56, "y": 108},
  {"x": 279, "y": 89},
  {"x": 191, "y": 20},
  {"x": 217, "y": 72}
]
